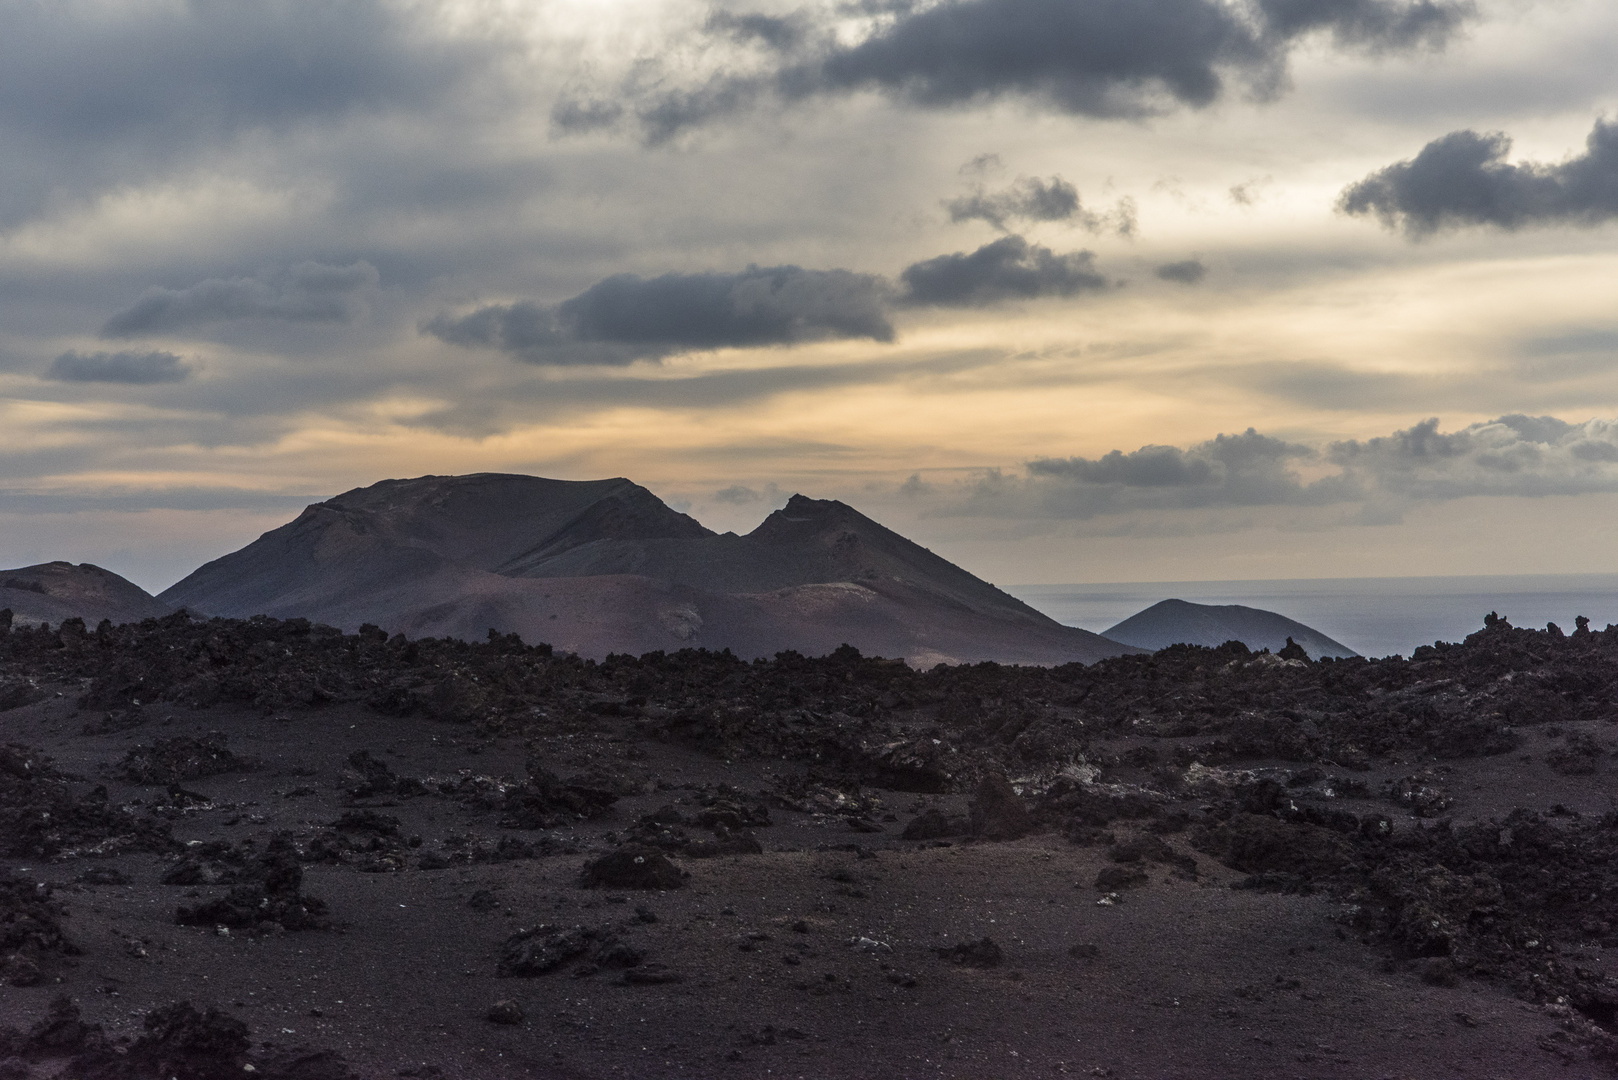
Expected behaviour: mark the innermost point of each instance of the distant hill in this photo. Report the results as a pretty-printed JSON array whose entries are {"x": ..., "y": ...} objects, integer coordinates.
[
  {"x": 603, "y": 566},
  {"x": 54, "y": 591},
  {"x": 1176, "y": 622}
]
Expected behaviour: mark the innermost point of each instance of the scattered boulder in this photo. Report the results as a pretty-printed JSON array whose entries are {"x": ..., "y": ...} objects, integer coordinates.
[
  {"x": 1114, "y": 879},
  {"x": 169, "y": 761},
  {"x": 17, "y": 692},
  {"x": 632, "y": 868},
  {"x": 933, "y": 824},
  {"x": 1149, "y": 848},
  {"x": 41, "y": 815},
  {"x": 30, "y": 928},
  {"x": 997, "y": 811},
  {"x": 982, "y": 953},
  {"x": 1580, "y": 756},
  {"x": 542, "y": 949},
  {"x": 504, "y": 1011},
  {"x": 183, "y": 1043},
  {"x": 271, "y": 898},
  {"x": 370, "y": 777},
  {"x": 546, "y": 802}
]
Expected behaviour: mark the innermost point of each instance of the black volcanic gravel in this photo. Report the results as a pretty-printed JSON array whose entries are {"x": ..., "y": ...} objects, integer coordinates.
[{"x": 1328, "y": 778}]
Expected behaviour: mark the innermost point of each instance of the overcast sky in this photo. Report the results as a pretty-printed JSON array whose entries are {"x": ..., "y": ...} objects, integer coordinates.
[{"x": 1067, "y": 290}]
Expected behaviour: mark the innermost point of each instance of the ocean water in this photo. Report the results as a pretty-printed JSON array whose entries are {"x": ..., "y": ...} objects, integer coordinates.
[{"x": 1372, "y": 616}]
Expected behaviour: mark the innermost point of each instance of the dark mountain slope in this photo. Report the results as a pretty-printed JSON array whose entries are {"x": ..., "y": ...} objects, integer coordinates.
[
  {"x": 53, "y": 591},
  {"x": 604, "y": 566},
  {"x": 1179, "y": 622}
]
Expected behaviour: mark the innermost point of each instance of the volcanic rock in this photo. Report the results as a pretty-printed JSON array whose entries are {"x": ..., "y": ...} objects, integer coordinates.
[
  {"x": 632, "y": 868},
  {"x": 997, "y": 811}
]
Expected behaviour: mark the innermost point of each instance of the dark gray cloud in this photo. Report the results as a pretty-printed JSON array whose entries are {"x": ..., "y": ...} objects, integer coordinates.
[
  {"x": 1376, "y": 24},
  {"x": 1029, "y": 199},
  {"x": 579, "y": 115},
  {"x": 308, "y": 292},
  {"x": 136, "y": 368},
  {"x": 782, "y": 33},
  {"x": 1464, "y": 179},
  {"x": 626, "y": 317},
  {"x": 1187, "y": 272},
  {"x": 1088, "y": 57},
  {"x": 1008, "y": 269},
  {"x": 96, "y": 93}
]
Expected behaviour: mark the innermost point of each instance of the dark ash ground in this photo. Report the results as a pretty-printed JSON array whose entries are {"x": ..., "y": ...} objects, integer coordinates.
[{"x": 267, "y": 844}]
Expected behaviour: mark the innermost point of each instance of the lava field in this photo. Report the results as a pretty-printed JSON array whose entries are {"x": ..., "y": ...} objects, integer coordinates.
[{"x": 267, "y": 845}]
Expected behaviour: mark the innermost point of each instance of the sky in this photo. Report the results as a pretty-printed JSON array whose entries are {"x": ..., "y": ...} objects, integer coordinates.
[{"x": 1066, "y": 290}]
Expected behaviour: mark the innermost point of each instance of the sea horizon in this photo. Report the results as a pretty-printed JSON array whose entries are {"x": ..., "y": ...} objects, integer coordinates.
[{"x": 1374, "y": 616}]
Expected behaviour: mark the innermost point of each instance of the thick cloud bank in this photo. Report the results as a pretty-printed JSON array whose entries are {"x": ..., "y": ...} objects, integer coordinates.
[
  {"x": 627, "y": 318},
  {"x": 1464, "y": 179},
  {"x": 135, "y": 368},
  {"x": 1088, "y": 57},
  {"x": 309, "y": 292},
  {"x": 1524, "y": 456}
]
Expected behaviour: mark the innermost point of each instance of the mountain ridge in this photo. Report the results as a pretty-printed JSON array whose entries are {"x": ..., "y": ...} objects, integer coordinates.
[
  {"x": 1176, "y": 622},
  {"x": 603, "y": 566}
]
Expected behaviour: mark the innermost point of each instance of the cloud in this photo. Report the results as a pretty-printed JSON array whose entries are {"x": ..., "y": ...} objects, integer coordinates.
[
  {"x": 1464, "y": 179},
  {"x": 1513, "y": 455},
  {"x": 1084, "y": 57},
  {"x": 1032, "y": 199},
  {"x": 1008, "y": 269},
  {"x": 308, "y": 292},
  {"x": 737, "y": 495},
  {"x": 1249, "y": 469},
  {"x": 742, "y": 495},
  {"x": 625, "y": 318},
  {"x": 135, "y": 368},
  {"x": 97, "y": 92},
  {"x": 1378, "y": 25},
  {"x": 579, "y": 115},
  {"x": 1188, "y": 272}
]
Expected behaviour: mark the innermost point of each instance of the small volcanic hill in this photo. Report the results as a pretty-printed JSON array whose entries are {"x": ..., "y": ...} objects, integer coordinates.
[
  {"x": 54, "y": 591},
  {"x": 1179, "y": 622},
  {"x": 604, "y": 566}
]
